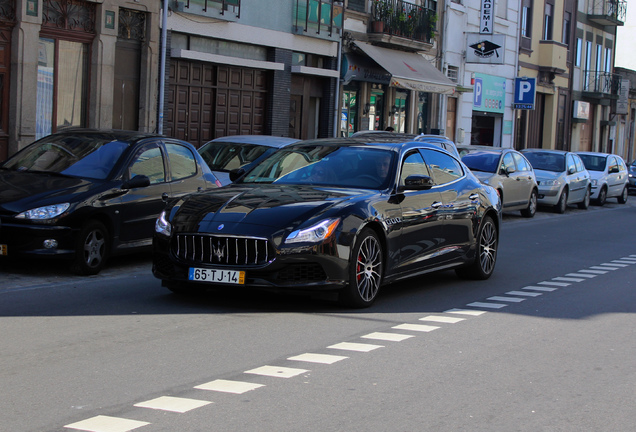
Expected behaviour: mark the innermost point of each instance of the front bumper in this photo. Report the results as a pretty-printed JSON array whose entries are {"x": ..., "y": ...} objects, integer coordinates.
[
  {"x": 548, "y": 195},
  {"x": 28, "y": 240}
]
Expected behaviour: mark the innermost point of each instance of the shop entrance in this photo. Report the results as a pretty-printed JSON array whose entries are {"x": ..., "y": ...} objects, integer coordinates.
[{"x": 483, "y": 130}]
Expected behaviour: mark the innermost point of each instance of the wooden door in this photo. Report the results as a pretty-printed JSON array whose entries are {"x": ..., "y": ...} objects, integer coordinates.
[
  {"x": 126, "y": 91},
  {"x": 5, "y": 67}
]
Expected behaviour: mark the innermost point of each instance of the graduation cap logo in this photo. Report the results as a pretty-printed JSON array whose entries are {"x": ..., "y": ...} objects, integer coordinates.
[{"x": 485, "y": 49}]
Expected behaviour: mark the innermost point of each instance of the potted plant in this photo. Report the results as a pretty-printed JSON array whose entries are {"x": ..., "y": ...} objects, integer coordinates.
[{"x": 381, "y": 12}]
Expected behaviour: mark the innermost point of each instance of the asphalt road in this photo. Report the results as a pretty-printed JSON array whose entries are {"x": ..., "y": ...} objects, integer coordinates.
[{"x": 547, "y": 344}]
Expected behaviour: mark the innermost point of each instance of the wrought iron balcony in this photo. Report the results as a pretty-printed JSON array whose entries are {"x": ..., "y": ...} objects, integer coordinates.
[
  {"x": 608, "y": 12},
  {"x": 601, "y": 85},
  {"x": 229, "y": 10},
  {"x": 7, "y": 10},
  {"x": 318, "y": 17},
  {"x": 400, "y": 18}
]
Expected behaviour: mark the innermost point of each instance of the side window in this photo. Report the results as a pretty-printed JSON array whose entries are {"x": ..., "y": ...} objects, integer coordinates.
[
  {"x": 612, "y": 164},
  {"x": 522, "y": 163},
  {"x": 413, "y": 164},
  {"x": 148, "y": 161},
  {"x": 445, "y": 168},
  {"x": 621, "y": 164},
  {"x": 182, "y": 162},
  {"x": 507, "y": 162},
  {"x": 579, "y": 164},
  {"x": 570, "y": 164}
]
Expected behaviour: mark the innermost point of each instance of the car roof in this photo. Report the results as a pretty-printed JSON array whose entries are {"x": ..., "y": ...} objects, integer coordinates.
[
  {"x": 483, "y": 148},
  {"x": 596, "y": 153},
  {"x": 119, "y": 134},
  {"x": 264, "y": 140},
  {"x": 370, "y": 140}
]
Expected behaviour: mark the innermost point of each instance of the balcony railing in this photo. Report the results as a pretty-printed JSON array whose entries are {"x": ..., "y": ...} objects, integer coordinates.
[
  {"x": 608, "y": 12},
  {"x": 7, "y": 10},
  {"x": 318, "y": 16},
  {"x": 397, "y": 17},
  {"x": 602, "y": 83},
  {"x": 225, "y": 9}
]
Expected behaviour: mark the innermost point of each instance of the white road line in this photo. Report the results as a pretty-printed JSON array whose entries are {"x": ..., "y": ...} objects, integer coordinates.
[
  {"x": 395, "y": 337},
  {"x": 415, "y": 327},
  {"x": 466, "y": 312},
  {"x": 568, "y": 279},
  {"x": 225, "y": 386},
  {"x": 506, "y": 299},
  {"x": 277, "y": 371},
  {"x": 487, "y": 305},
  {"x": 522, "y": 293},
  {"x": 536, "y": 288},
  {"x": 107, "y": 424},
  {"x": 581, "y": 275},
  {"x": 173, "y": 404},
  {"x": 559, "y": 284},
  {"x": 604, "y": 268},
  {"x": 596, "y": 272},
  {"x": 318, "y": 358},
  {"x": 352, "y": 346},
  {"x": 629, "y": 259},
  {"x": 442, "y": 319},
  {"x": 623, "y": 262},
  {"x": 615, "y": 264}
]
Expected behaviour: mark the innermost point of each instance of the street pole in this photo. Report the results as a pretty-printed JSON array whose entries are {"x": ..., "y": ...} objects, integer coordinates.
[{"x": 162, "y": 68}]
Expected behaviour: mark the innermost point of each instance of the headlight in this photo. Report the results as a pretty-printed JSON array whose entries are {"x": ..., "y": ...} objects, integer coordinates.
[
  {"x": 46, "y": 212},
  {"x": 594, "y": 182},
  {"x": 631, "y": 175},
  {"x": 314, "y": 234},
  {"x": 550, "y": 182},
  {"x": 162, "y": 226}
]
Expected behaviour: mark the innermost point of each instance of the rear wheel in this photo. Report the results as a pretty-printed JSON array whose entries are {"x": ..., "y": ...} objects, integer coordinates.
[
  {"x": 92, "y": 249},
  {"x": 602, "y": 196},
  {"x": 562, "y": 204},
  {"x": 486, "y": 257},
  {"x": 365, "y": 271},
  {"x": 585, "y": 204},
  {"x": 532, "y": 206},
  {"x": 622, "y": 199}
]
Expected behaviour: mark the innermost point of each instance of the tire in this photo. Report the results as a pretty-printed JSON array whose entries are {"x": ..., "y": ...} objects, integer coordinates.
[
  {"x": 486, "y": 256},
  {"x": 622, "y": 199},
  {"x": 585, "y": 204},
  {"x": 92, "y": 249},
  {"x": 602, "y": 196},
  {"x": 563, "y": 202},
  {"x": 532, "y": 206},
  {"x": 365, "y": 271}
]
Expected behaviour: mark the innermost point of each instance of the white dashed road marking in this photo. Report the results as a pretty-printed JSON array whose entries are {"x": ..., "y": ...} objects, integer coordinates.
[
  {"x": 107, "y": 424},
  {"x": 597, "y": 272},
  {"x": 614, "y": 264},
  {"x": 506, "y": 299},
  {"x": 558, "y": 284},
  {"x": 589, "y": 276},
  {"x": 351, "y": 346},
  {"x": 442, "y": 319},
  {"x": 415, "y": 327},
  {"x": 394, "y": 337},
  {"x": 225, "y": 386},
  {"x": 522, "y": 293},
  {"x": 568, "y": 279},
  {"x": 623, "y": 262},
  {"x": 173, "y": 404},
  {"x": 466, "y": 312},
  {"x": 604, "y": 267},
  {"x": 277, "y": 371},
  {"x": 487, "y": 305},
  {"x": 318, "y": 358},
  {"x": 536, "y": 288}
]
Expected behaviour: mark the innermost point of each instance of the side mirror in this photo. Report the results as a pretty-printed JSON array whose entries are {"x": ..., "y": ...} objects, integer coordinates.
[
  {"x": 509, "y": 170},
  {"x": 417, "y": 182},
  {"x": 236, "y": 174},
  {"x": 571, "y": 170},
  {"x": 613, "y": 170},
  {"x": 137, "y": 181}
]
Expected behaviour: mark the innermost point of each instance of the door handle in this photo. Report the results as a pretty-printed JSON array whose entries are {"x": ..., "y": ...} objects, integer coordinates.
[
  {"x": 473, "y": 197},
  {"x": 436, "y": 205}
]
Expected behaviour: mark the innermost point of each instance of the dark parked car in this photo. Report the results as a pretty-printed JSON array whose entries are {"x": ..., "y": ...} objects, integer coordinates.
[
  {"x": 239, "y": 152},
  {"x": 385, "y": 136},
  {"x": 345, "y": 215},
  {"x": 87, "y": 194},
  {"x": 632, "y": 176}
]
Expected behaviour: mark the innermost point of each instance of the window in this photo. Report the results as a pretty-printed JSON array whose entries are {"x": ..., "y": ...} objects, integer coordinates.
[
  {"x": 413, "y": 165},
  {"x": 507, "y": 163},
  {"x": 522, "y": 163},
  {"x": 579, "y": 52},
  {"x": 526, "y": 19},
  {"x": 599, "y": 58},
  {"x": 548, "y": 21},
  {"x": 182, "y": 163},
  {"x": 444, "y": 168},
  {"x": 579, "y": 164},
  {"x": 571, "y": 164},
  {"x": 452, "y": 73},
  {"x": 608, "y": 60},
  {"x": 567, "y": 20},
  {"x": 149, "y": 162}
]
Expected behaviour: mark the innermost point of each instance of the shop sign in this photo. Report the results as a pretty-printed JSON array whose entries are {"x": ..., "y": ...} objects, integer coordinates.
[
  {"x": 359, "y": 68},
  {"x": 489, "y": 94},
  {"x": 581, "y": 110},
  {"x": 486, "y": 23},
  {"x": 622, "y": 103},
  {"x": 487, "y": 49}
]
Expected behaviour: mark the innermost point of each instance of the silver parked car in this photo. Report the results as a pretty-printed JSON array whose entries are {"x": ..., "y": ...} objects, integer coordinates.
[
  {"x": 239, "y": 152},
  {"x": 562, "y": 178},
  {"x": 385, "y": 136},
  {"x": 506, "y": 170},
  {"x": 609, "y": 176}
]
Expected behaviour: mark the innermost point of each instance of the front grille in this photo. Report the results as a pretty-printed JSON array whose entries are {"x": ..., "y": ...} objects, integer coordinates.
[
  {"x": 212, "y": 249},
  {"x": 302, "y": 273}
]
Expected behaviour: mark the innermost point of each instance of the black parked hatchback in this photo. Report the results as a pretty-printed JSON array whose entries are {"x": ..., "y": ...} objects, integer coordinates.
[{"x": 86, "y": 194}]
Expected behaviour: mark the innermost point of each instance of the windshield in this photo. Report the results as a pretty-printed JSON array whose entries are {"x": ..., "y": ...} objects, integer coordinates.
[
  {"x": 481, "y": 160},
  {"x": 594, "y": 163},
  {"x": 546, "y": 161},
  {"x": 77, "y": 156},
  {"x": 226, "y": 156},
  {"x": 328, "y": 165}
]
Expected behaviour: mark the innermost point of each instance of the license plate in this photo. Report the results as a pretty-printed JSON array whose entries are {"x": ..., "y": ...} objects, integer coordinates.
[
  {"x": 3, "y": 250},
  {"x": 216, "y": 276}
]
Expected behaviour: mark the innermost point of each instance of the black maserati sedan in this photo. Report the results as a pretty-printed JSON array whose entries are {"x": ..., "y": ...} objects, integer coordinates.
[
  {"x": 345, "y": 215},
  {"x": 82, "y": 195}
]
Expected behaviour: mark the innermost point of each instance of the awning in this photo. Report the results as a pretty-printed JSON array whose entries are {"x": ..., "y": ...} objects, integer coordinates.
[{"x": 409, "y": 70}]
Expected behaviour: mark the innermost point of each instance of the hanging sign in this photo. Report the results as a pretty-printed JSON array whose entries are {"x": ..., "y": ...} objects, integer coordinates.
[{"x": 486, "y": 22}]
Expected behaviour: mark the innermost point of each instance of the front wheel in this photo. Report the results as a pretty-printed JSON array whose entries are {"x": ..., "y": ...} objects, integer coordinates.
[
  {"x": 602, "y": 197},
  {"x": 486, "y": 257},
  {"x": 585, "y": 204},
  {"x": 532, "y": 206},
  {"x": 365, "y": 271},
  {"x": 91, "y": 249},
  {"x": 563, "y": 202},
  {"x": 622, "y": 199}
]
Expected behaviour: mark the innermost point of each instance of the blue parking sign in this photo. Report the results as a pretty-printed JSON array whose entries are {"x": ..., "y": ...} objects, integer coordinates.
[{"x": 525, "y": 92}]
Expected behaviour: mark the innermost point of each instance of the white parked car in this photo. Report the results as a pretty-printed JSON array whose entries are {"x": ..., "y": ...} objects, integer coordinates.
[
  {"x": 609, "y": 176},
  {"x": 562, "y": 178}
]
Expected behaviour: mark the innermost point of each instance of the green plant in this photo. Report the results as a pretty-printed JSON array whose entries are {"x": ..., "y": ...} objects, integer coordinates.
[{"x": 381, "y": 10}]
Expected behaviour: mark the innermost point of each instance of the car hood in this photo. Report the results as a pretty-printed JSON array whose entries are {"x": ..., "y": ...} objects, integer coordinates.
[
  {"x": 546, "y": 175},
  {"x": 20, "y": 191},
  {"x": 598, "y": 175},
  {"x": 263, "y": 205},
  {"x": 483, "y": 176}
]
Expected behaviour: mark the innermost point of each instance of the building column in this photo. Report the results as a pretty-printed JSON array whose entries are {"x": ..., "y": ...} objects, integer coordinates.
[{"x": 279, "y": 94}]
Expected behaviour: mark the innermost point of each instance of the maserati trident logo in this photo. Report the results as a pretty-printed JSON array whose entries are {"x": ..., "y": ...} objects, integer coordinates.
[
  {"x": 219, "y": 252},
  {"x": 220, "y": 227}
]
